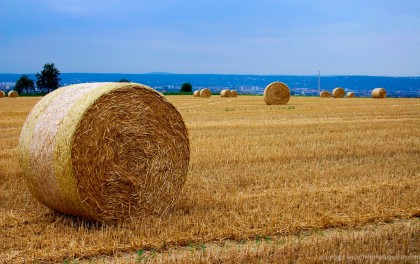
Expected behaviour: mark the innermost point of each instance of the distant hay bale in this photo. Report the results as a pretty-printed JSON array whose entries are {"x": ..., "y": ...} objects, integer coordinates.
[
  {"x": 205, "y": 93},
  {"x": 2, "y": 94},
  {"x": 105, "y": 151},
  {"x": 197, "y": 93},
  {"x": 225, "y": 93},
  {"x": 324, "y": 94},
  {"x": 350, "y": 94},
  {"x": 338, "y": 92},
  {"x": 13, "y": 94},
  {"x": 378, "y": 93},
  {"x": 276, "y": 93},
  {"x": 233, "y": 93}
]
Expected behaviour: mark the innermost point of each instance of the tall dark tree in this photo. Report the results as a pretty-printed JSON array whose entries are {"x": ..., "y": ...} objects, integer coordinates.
[
  {"x": 24, "y": 83},
  {"x": 124, "y": 80},
  {"x": 48, "y": 78},
  {"x": 186, "y": 88}
]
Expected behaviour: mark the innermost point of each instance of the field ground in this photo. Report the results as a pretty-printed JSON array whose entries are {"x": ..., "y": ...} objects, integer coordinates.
[{"x": 319, "y": 179}]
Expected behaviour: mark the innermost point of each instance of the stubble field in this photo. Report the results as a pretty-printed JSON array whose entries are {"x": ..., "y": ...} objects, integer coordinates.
[{"x": 308, "y": 181}]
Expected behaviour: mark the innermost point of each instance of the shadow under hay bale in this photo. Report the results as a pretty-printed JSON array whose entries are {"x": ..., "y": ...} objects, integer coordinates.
[
  {"x": 378, "y": 93},
  {"x": 105, "y": 151},
  {"x": 276, "y": 93}
]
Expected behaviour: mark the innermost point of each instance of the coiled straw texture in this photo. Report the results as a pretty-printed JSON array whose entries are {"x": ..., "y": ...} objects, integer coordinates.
[
  {"x": 105, "y": 151},
  {"x": 338, "y": 92},
  {"x": 276, "y": 93},
  {"x": 378, "y": 93}
]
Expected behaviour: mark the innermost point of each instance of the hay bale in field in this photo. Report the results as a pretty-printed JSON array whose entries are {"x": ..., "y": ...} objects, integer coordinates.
[
  {"x": 225, "y": 93},
  {"x": 378, "y": 93},
  {"x": 2, "y": 94},
  {"x": 197, "y": 93},
  {"x": 233, "y": 93},
  {"x": 338, "y": 92},
  {"x": 205, "y": 93},
  {"x": 324, "y": 94},
  {"x": 105, "y": 151},
  {"x": 13, "y": 94},
  {"x": 350, "y": 94},
  {"x": 276, "y": 93}
]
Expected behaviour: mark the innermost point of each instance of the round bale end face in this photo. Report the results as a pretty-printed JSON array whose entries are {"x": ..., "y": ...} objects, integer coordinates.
[
  {"x": 276, "y": 93},
  {"x": 196, "y": 93},
  {"x": 2, "y": 94},
  {"x": 233, "y": 93},
  {"x": 379, "y": 93},
  {"x": 350, "y": 95},
  {"x": 324, "y": 94},
  {"x": 13, "y": 94},
  {"x": 225, "y": 93},
  {"x": 338, "y": 92},
  {"x": 205, "y": 93},
  {"x": 114, "y": 151}
]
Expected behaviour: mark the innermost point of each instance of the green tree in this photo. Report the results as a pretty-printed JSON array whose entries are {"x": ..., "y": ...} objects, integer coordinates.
[
  {"x": 24, "y": 83},
  {"x": 186, "y": 88},
  {"x": 123, "y": 80},
  {"x": 48, "y": 78}
]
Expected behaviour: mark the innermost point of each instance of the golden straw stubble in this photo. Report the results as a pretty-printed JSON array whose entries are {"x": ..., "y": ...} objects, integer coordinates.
[
  {"x": 378, "y": 93},
  {"x": 114, "y": 151},
  {"x": 276, "y": 93}
]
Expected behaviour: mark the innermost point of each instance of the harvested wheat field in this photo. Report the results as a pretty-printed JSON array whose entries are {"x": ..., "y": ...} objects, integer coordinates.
[{"x": 312, "y": 181}]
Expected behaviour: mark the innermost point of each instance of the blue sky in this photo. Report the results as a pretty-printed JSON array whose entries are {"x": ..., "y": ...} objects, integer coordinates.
[{"x": 301, "y": 37}]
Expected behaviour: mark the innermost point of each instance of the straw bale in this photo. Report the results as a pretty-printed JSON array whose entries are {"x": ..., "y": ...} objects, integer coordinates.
[
  {"x": 13, "y": 94},
  {"x": 233, "y": 93},
  {"x": 225, "y": 93},
  {"x": 197, "y": 93},
  {"x": 2, "y": 94},
  {"x": 276, "y": 93},
  {"x": 324, "y": 94},
  {"x": 378, "y": 93},
  {"x": 338, "y": 92},
  {"x": 350, "y": 94},
  {"x": 105, "y": 151},
  {"x": 205, "y": 93}
]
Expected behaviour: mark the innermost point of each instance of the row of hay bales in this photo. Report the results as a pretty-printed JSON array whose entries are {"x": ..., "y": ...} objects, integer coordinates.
[
  {"x": 339, "y": 93},
  {"x": 206, "y": 93},
  {"x": 12, "y": 94}
]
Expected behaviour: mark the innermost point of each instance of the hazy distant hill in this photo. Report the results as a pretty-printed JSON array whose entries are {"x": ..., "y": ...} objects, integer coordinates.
[{"x": 308, "y": 85}]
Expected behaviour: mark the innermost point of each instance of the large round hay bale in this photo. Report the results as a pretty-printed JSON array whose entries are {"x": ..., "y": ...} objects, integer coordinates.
[
  {"x": 13, "y": 94},
  {"x": 196, "y": 93},
  {"x": 105, "y": 151},
  {"x": 338, "y": 92},
  {"x": 205, "y": 93},
  {"x": 324, "y": 94},
  {"x": 350, "y": 94},
  {"x": 378, "y": 93},
  {"x": 276, "y": 93},
  {"x": 233, "y": 93},
  {"x": 2, "y": 94},
  {"x": 225, "y": 93}
]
